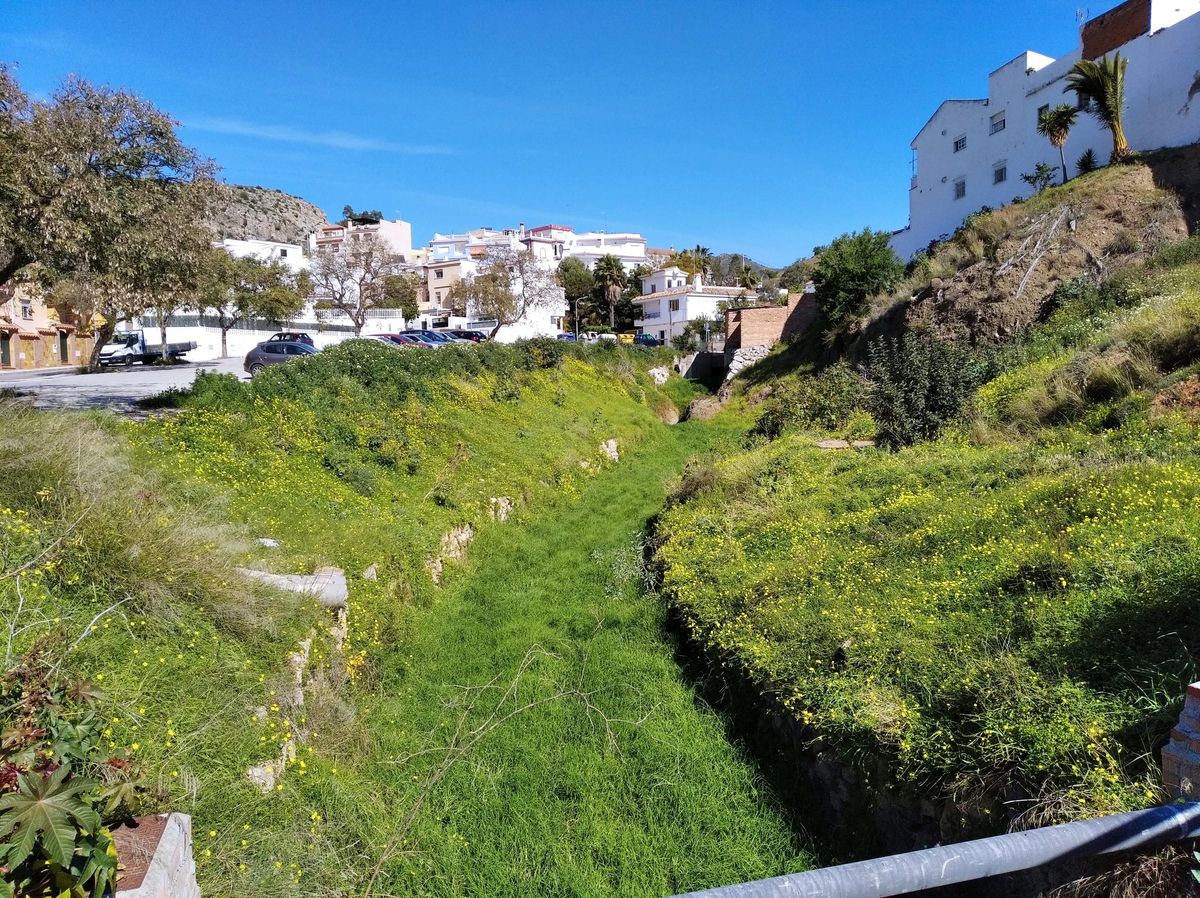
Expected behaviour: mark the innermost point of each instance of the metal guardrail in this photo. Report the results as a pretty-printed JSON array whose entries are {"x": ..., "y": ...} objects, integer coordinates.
[{"x": 916, "y": 871}]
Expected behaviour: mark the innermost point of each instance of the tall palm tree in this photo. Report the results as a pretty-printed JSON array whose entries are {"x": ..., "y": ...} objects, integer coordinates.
[
  {"x": 609, "y": 275},
  {"x": 704, "y": 259},
  {"x": 1055, "y": 124},
  {"x": 1103, "y": 83}
]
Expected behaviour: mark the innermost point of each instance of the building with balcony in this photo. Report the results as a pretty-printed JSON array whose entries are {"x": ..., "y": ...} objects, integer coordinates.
[
  {"x": 669, "y": 302},
  {"x": 397, "y": 234},
  {"x": 972, "y": 153}
]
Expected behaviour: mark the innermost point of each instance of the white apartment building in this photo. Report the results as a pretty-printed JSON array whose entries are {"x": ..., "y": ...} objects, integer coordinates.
[
  {"x": 972, "y": 153},
  {"x": 397, "y": 234},
  {"x": 290, "y": 255},
  {"x": 555, "y": 242},
  {"x": 668, "y": 302}
]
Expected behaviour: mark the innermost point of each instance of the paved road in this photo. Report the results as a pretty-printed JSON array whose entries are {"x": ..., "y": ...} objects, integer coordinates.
[{"x": 118, "y": 389}]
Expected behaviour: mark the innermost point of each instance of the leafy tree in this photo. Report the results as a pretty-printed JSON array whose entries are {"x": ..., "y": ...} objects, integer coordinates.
[
  {"x": 349, "y": 213},
  {"x": 510, "y": 285},
  {"x": 88, "y": 179},
  {"x": 577, "y": 282},
  {"x": 851, "y": 270},
  {"x": 351, "y": 278},
  {"x": 697, "y": 260},
  {"x": 797, "y": 275},
  {"x": 1055, "y": 124},
  {"x": 1040, "y": 178},
  {"x": 609, "y": 274},
  {"x": 1102, "y": 84},
  {"x": 402, "y": 291},
  {"x": 235, "y": 289},
  {"x": 919, "y": 384}
]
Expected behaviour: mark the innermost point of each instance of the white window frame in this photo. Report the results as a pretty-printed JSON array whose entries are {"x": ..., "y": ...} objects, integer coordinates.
[
  {"x": 998, "y": 122},
  {"x": 960, "y": 143}
]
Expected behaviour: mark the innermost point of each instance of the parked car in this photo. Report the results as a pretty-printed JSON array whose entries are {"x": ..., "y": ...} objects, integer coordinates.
[
  {"x": 401, "y": 340},
  {"x": 127, "y": 348},
  {"x": 645, "y": 340},
  {"x": 291, "y": 337},
  {"x": 626, "y": 338},
  {"x": 570, "y": 338},
  {"x": 459, "y": 333},
  {"x": 274, "y": 352},
  {"x": 431, "y": 338}
]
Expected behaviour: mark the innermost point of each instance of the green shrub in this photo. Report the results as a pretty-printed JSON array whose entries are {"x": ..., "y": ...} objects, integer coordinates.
[
  {"x": 825, "y": 401},
  {"x": 852, "y": 269},
  {"x": 1087, "y": 162},
  {"x": 1175, "y": 254},
  {"x": 919, "y": 384}
]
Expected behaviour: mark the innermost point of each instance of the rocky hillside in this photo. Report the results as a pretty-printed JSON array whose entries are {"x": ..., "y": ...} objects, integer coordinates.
[
  {"x": 997, "y": 274},
  {"x": 266, "y": 214}
]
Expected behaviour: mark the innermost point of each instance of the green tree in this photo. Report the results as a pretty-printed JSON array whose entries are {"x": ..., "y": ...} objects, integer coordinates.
[
  {"x": 797, "y": 275},
  {"x": 577, "y": 282},
  {"x": 402, "y": 291},
  {"x": 97, "y": 189},
  {"x": 510, "y": 284},
  {"x": 234, "y": 290},
  {"x": 851, "y": 270},
  {"x": 1041, "y": 177},
  {"x": 609, "y": 275},
  {"x": 1055, "y": 124},
  {"x": 1102, "y": 84}
]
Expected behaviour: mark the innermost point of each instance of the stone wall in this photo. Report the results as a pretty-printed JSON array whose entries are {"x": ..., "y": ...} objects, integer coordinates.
[
  {"x": 741, "y": 359},
  {"x": 1181, "y": 755}
]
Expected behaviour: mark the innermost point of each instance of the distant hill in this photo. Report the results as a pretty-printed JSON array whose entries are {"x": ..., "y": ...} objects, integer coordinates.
[
  {"x": 727, "y": 267},
  {"x": 265, "y": 214}
]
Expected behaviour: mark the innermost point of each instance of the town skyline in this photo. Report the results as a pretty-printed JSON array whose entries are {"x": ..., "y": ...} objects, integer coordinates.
[{"x": 673, "y": 123}]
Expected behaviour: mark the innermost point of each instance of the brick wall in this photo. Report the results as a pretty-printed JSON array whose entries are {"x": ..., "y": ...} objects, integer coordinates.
[
  {"x": 767, "y": 325},
  {"x": 1115, "y": 28}
]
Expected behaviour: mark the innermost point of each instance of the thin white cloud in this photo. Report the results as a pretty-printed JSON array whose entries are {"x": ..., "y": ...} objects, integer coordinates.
[{"x": 338, "y": 140}]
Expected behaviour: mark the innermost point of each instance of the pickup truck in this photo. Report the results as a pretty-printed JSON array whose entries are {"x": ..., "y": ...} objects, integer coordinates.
[{"x": 131, "y": 346}]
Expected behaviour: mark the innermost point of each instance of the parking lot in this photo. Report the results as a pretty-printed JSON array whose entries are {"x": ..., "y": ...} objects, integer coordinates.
[{"x": 118, "y": 389}]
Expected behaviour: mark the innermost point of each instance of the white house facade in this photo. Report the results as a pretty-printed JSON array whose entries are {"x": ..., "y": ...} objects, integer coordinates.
[
  {"x": 290, "y": 255},
  {"x": 396, "y": 233},
  {"x": 669, "y": 302},
  {"x": 972, "y": 153}
]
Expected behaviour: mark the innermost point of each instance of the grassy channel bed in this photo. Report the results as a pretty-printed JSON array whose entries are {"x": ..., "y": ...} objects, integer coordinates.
[{"x": 613, "y": 781}]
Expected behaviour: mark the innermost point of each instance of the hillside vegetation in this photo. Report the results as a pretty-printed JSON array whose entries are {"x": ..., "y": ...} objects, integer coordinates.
[
  {"x": 998, "y": 621},
  {"x": 522, "y": 722},
  {"x": 265, "y": 214}
]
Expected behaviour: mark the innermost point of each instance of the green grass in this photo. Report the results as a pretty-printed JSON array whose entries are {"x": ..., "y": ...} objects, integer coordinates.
[
  {"x": 620, "y": 785},
  {"x": 623, "y": 783},
  {"x": 1005, "y": 614}
]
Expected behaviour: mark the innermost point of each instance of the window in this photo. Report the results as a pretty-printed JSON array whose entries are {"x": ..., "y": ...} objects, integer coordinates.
[
  {"x": 1000, "y": 173},
  {"x": 960, "y": 144},
  {"x": 997, "y": 123},
  {"x": 1042, "y": 110},
  {"x": 439, "y": 273},
  {"x": 273, "y": 348},
  {"x": 283, "y": 253},
  {"x": 674, "y": 305},
  {"x": 27, "y": 311},
  {"x": 439, "y": 295},
  {"x": 960, "y": 188}
]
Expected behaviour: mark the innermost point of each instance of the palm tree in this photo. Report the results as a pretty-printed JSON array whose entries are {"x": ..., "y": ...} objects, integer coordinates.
[
  {"x": 1103, "y": 84},
  {"x": 609, "y": 275},
  {"x": 1055, "y": 124},
  {"x": 703, "y": 257}
]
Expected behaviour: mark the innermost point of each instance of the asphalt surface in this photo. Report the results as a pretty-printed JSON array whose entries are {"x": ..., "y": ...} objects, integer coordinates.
[{"x": 118, "y": 389}]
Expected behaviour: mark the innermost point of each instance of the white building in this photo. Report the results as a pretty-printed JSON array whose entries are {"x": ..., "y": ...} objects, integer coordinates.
[
  {"x": 668, "y": 302},
  {"x": 397, "y": 234},
  {"x": 555, "y": 242},
  {"x": 972, "y": 153},
  {"x": 290, "y": 255}
]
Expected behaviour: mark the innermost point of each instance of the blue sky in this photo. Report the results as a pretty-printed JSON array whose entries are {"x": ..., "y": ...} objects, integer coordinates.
[{"x": 757, "y": 127}]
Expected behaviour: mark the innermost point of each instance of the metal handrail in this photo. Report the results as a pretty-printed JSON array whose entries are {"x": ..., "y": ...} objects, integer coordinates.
[{"x": 915, "y": 871}]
